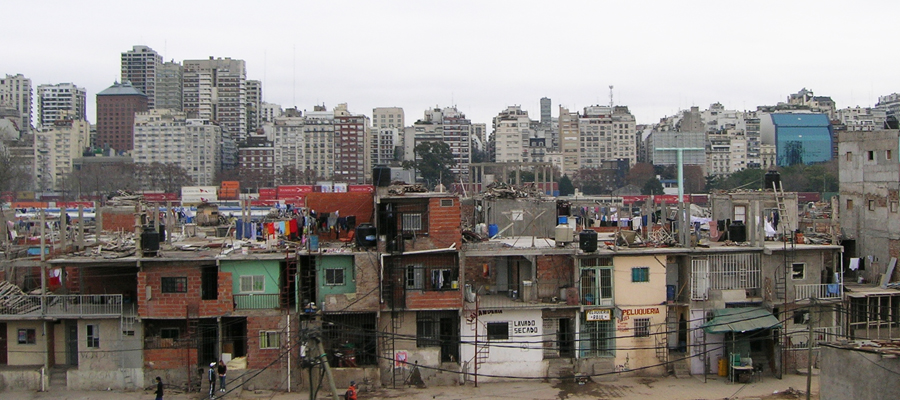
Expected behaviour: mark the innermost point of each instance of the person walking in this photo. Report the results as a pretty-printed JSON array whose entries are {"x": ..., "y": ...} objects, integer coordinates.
[
  {"x": 221, "y": 369},
  {"x": 211, "y": 376},
  {"x": 159, "y": 388}
]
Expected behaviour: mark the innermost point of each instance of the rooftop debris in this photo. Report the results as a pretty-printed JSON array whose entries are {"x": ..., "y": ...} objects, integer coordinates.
[
  {"x": 398, "y": 188},
  {"x": 502, "y": 190}
]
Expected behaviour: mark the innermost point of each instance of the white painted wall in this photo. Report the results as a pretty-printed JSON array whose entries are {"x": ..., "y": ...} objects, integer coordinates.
[{"x": 520, "y": 355}]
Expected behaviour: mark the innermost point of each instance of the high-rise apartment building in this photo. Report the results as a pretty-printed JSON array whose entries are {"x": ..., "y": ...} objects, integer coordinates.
[
  {"x": 169, "y": 86},
  {"x": 304, "y": 142},
  {"x": 62, "y": 101},
  {"x": 116, "y": 106},
  {"x": 268, "y": 112},
  {"x": 386, "y": 135},
  {"x": 16, "y": 92},
  {"x": 351, "y": 132},
  {"x": 140, "y": 66},
  {"x": 388, "y": 117},
  {"x": 512, "y": 132},
  {"x": 569, "y": 144},
  {"x": 606, "y": 133},
  {"x": 169, "y": 137},
  {"x": 254, "y": 104},
  {"x": 546, "y": 118},
  {"x": 449, "y": 126},
  {"x": 216, "y": 90},
  {"x": 56, "y": 145}
]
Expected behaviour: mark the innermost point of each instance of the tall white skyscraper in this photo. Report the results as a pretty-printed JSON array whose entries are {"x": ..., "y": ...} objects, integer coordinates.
[
  {"x": 168, "y": 136},
  {"x": 140, "y": 66},
  {"x": 216, "y": 90},
  {"x": 61, "y": 101},
  {"x": 16, "y": 92}
]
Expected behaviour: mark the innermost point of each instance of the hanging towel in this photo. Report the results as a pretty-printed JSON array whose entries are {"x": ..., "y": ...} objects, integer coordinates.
[
  {"x": 854, "y": 264},
  {"x": 292, "y": 225}
]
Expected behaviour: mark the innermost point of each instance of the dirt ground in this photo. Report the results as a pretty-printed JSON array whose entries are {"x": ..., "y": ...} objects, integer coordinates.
[{"x": 631, "y": 388}]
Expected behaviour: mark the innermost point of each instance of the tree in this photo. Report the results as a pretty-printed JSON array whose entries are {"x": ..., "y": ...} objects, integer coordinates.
[
  {"x": 167, "y": 177},
  {"x": 565, "y": 186},
  {"x": 255, "y": 178},
  {"x": 291, "y": 175},
  {"x": 639, "y": 174},
  {"x": 13, "y": 174},
  {"x": 694, "y": 181},
  {"x": 653, "y": 186},
  {"x": 433, "y": 161}
]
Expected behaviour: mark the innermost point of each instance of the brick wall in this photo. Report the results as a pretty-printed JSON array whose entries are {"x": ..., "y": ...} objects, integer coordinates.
[
  {"x": 362, "y": 205},
  {"x": 444, "y": 223},
  {"x": 116, "y": 218},
  {"x": 174, "y": 305},
  {"x": 474, "y": 270},
  {"x": 258, "y": 358},
  {"x": 433, "y": 300},
  {"x": 554, "y": 272},
  {"x": 169, "y": 358}
]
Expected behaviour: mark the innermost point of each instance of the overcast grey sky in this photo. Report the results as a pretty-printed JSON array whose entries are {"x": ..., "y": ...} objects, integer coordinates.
[{"x": 661, "y": 56}]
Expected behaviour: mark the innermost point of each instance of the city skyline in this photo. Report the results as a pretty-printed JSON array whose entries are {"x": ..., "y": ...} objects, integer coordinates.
[{"x": 485, "y": 57}]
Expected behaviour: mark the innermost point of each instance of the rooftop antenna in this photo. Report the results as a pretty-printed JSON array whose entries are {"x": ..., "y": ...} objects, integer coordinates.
[{"x": 610, "y": 95}]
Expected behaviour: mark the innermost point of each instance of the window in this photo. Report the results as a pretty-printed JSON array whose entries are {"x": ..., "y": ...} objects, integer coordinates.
[
  {"x": 414, "y": 277},
  {"x": 446, "y": 202},
  {"x": 849, "y": 204},
  {"x": 871, "y": 205},
  {"x": 888, "y": 154},
  {"x": 870, "y": 155},
  {"x": 93, "y": 336},
  {"x": 412, "y": 222},
  {"x": 740, "y": 213},
  {"x": 427, "y": 332},
  {"x": 849, "y": 156},
  {"x": 801, "y": 317},
  {"x": 441, "y": 279},
  {"x": 642, "y": 327},
  {"x": 598, "y": 339},
  {"x": 498, "y": 330},
  {"x": 27, "y": 336},
  {"x": 252, "y": 283},
  {"x": 269, "y": 339},
  {"x": 174, "y": 285},
  {"x": 798, "y": 270},
  {"x": 334, "y": 276},
  {"x": 640, "y": 274},
  {"x": 169, "y": 333},
  {"x": 893, "y": 206}
]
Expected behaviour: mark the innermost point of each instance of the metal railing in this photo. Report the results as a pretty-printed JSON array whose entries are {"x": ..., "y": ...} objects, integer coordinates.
[
  {"x": 798, "y": 338},
  {"x": 818, "y": 291},
  {"x": 62, "y": 305},
  {"x": 256, "y": 301},
  {"x": 532, "y": 294}
]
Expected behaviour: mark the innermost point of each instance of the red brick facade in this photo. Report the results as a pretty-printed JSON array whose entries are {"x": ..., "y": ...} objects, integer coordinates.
[
  {"x": 433, "y": 300},
  {"x": 174, "y": 305},
  {"x": 362, "y": 205},
  {"x": 117, "y": 218},
  {"x": 258, "y": 358},
  {"x": 169, "y": 358},
  {"x": 443, "y": 222}
]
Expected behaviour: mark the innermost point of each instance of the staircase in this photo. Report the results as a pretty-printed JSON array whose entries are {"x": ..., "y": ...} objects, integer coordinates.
[
  {"x": 58, "y": 378},
  {"x": 287, "y": 291},
  {"x": 680, "y": 365}
]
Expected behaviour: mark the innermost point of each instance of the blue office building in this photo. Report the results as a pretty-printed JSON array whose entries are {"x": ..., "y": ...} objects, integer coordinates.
[{"x": 802, "y": 138}]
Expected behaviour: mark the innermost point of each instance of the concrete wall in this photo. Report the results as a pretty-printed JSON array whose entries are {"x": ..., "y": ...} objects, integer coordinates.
[
  {"x": 328, "y": 295},
  {"x": 25, "y": 354},
  {"x": 13, "y": 380},
  {"x": 538, "y": 218},
  {"x": 849, "y": 374},
  {"x": 521, "y": 354},
  {"x": 116, "y": 379}
]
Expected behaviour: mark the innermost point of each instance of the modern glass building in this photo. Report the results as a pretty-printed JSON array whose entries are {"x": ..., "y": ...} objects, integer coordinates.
[{"x": 802, "y": 138}]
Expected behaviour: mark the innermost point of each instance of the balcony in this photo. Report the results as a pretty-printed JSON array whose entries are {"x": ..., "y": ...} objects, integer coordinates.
[
  {"x": 527, "y": 294},
  {"x": 798, "y": 338},
  {"x": 79, "y": 305},
  {"x": 818, "y": 291},
  {"x": 256, "y": 301}
]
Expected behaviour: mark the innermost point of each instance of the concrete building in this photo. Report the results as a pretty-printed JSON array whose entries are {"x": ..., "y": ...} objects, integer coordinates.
[
  {"x": 61, "y": 101},
  {"x": 116, "y": 106},
  {"x": 726, "y": 152},
  {"x": 606, "y": 133},
  {"x": 169, "y": 137},
  {"x": 169, "y": 86},
  {"x": 569, "y": 143},
  {"x": 16, "y": 92},
  {"x": 861, "y": 118},
  {"x": 817, "y": 104},
  {"x": 511, "y": 134},
  {"x": 216, "y": 90},
  {"x": 388, "y": 117},
  {"x": 859, "y": 370},
  {"x": 479, "y": 132},
  {"x": 140, "y": 66},
  {"x": 546, "y": 117},
  {"x": 890, "y": 104},
  {"x": 254, "y": 105},
  {"x": 304, "y": 142},
  {"x": 388, "y": 124},
  {"x": 256, "y": 162},
  {"x": 450, "y": 126},
  {"x": 268, "y": 112},
  {"x": 351, "y": 135},
  {"x": 55, "y": 147}
]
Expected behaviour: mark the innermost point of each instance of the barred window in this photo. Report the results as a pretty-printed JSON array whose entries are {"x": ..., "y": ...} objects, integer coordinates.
[
  {"x": 642, "y": 327},
  {"x": 174, "y": 284},
  {"x": 269, "y": 339}
]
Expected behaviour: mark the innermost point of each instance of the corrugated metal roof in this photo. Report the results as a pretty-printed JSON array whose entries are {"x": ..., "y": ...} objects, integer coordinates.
[
  {"x": 740, "y": 320},
  {"x": 797, "y": 120}
]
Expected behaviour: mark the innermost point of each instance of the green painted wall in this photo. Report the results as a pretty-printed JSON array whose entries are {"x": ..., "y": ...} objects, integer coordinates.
[
  {"x": 269, "y": 269},
  {"x": 335, "y": 262}
]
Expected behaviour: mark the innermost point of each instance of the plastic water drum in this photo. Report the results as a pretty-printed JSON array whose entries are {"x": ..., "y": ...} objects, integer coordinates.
[{"x": 493, "y": 230}]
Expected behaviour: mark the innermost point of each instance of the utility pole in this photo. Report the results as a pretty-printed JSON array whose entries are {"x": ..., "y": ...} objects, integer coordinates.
[
  {"x": 316, "y": 345},
  {"x": 809, "y": 345}
]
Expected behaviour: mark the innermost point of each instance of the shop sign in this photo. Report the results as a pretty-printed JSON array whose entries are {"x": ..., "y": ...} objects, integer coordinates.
[{"x": 598, "y": 315}]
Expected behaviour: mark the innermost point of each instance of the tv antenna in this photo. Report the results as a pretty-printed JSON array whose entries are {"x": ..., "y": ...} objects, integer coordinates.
[{"x": 610, "y": 95}]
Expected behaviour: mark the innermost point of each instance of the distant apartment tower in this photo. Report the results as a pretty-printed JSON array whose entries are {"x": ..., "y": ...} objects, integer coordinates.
[
  {"x": 62, "y": 101},
  {"x": 140, "y": 66},
  {"x": 254, "y": 103},
  {"x": 861, "y": 118},
  {"x": 116, "y": 106},
  {"x": 350, "y": 136},
  {"x": 169, "y": 137},
  {"x": 890, "y": 104},
  {"x": 512, "y": 132},
  {"x": 169, "y": 86},
  {"x": 569, "y": 144},
  {"x": 388, "y": 117},
  {"x": 56, "y": 145},
  {"x": 16, "y": 92},
  {"x": 451, "y": 127},
  {"x": 606, "y": 133},
  {"x": 304, "y": 142},
  {"x": 479, "y": 136},
  {"x": 387, "y": 130},
  {"x": 216, "y": 90},
  {"x": 546, "y": 118},
  {"x": 256, "y": 161},
  {"x": 268, "y": 112}
]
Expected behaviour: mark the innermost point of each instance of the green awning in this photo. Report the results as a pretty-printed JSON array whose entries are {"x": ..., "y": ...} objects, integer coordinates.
[{"x": 740, "y": 320}]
